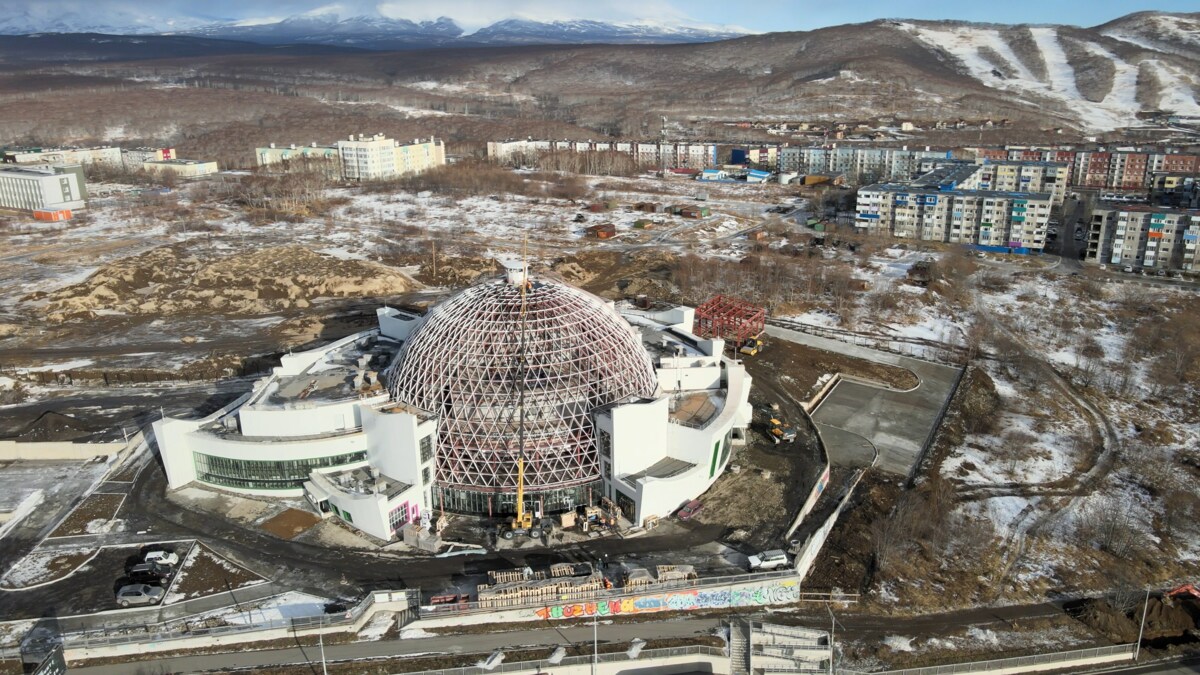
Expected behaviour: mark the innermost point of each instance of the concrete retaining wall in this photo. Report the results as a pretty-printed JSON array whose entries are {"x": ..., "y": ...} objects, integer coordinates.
[
  {"x": 56, "y": 450},
  {"x": 779, "y": 590},
  {"x": 202, "y": 639},
  {"x": 812, "y": 546}
]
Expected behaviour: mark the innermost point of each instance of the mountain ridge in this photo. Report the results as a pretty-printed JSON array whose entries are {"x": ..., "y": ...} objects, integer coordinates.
[{"x": 376, "y": 31}]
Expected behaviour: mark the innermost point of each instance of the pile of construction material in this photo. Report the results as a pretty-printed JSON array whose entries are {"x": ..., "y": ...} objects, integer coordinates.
[
  {"x": 636, "y": 578},
  {"x": 564, "y": 581}
]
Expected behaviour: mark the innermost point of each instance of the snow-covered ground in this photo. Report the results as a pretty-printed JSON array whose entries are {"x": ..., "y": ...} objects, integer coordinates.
[{"x": 37, "y": 568}]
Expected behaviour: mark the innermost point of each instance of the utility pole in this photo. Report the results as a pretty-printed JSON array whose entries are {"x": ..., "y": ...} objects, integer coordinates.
[
  {"x": 1137, "y": 652},
  {"x": 321, "y": 639},
  {"x": 595, "y": 644}
]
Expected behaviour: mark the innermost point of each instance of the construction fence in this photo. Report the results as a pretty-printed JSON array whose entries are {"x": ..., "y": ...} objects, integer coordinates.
[{"x": 916, "y": 348}]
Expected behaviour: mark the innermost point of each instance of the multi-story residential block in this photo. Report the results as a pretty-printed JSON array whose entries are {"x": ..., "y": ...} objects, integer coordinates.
[
  {"x": 1024, "y": 176},
  {"x": 379, "y": 157},
  {"x": 647, "y": 154},
  {"x": 1144, "y": 236},
  {"x": 860, "y": 164},
  {"x": 29, "y": 188},
  {"x": 946, "y": 205},
  {"x": 279, "y": 154},
  {"x": 184, "y": 168},
  {"x": 101, "y": 155},
  {"x": 133, "y": 158}
]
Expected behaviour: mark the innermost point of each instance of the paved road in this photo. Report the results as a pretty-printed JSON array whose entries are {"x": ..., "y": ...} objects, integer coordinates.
[
  {"x": 552, "y": 635},
  {"x": 319, "y": 570},
  {"x": 895, "y": 423},
  {"x": 1185, "y": 666}
]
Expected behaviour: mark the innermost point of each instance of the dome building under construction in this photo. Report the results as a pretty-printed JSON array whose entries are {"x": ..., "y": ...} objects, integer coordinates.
[{"x": 437, "y": 413}]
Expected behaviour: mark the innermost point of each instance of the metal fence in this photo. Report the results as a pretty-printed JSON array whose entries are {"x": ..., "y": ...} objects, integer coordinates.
[
  {"x": 1048, "y": 660},
  {"x": 925, "y": 350},
  {"x": 463, "y": 608},
  {"x": 197, "y": 626},
  {"x": 645, "y": 654}
]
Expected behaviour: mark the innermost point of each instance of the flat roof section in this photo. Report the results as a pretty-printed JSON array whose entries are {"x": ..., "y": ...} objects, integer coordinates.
[
  {"x": 667, "y": 467},
  {"x": 696, "y": 409},
  {"x": 336, "y": 377},
  {"x": 363, "y": 482}
]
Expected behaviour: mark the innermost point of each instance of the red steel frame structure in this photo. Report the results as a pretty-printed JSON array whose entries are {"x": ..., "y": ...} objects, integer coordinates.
[
  {"x": 729, "y": 318},
  {"x": 463, "y": 364}
]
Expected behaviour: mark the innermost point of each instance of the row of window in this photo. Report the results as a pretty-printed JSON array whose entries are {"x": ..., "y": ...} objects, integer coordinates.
[{"x": 253, "y": 474}]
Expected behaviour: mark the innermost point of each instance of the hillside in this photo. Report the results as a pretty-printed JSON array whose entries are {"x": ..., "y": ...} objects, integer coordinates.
[{"x": 1086, "y": 80}]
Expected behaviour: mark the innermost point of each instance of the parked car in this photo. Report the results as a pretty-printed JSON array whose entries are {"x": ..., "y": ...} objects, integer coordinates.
[
  {"x": 1127, "y": 268},
  {"x": 690, "y": 509},
  {"x": 769, "y": 560},
  {"x": 1160, "y": 273},
  {"x": 149, "y": 573},
  {"x": 1176, "y": 274},
  {"x": 163, "y": 557},
  {"x": 139, "y": 594}
]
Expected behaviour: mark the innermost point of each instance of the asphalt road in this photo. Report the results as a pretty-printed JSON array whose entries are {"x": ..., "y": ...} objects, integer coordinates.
[
  {"x": 1185, "y": 666},
  {"x": 312, "y": 568},
  {"x": 554, "y": 635}
]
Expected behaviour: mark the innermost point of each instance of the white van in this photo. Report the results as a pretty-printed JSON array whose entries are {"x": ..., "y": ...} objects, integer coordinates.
[{"x": 769, "y": 560}]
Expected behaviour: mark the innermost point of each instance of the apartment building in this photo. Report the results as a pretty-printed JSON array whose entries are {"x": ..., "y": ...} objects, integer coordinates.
[
  {"x": 378, "y": 157},
  {"x": 42, "y": 188},
  {"x": 1144, "y": 236},
  {"x": 1024, "y": 176},
  {"x": 184, "y": 168},
  {"x": 648, "y": 154},
  {"x": 133, "y": 158},
  {"x": 1120, "y": 169},
  {"x": 279, "y": 154},
  {"x": 946, "y": 205},
  {"x": 101, "y": 155},
  {"x": 860, "y": 163}
]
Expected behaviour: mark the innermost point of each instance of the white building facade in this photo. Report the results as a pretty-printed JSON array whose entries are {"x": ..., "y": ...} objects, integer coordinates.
[
  {"x": 325, "y": 426},
  {"x": 379, "y": 157},
  {"x": 41, "y": 188}
]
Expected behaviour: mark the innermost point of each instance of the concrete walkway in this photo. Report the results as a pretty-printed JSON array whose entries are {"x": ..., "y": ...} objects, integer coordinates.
[
  {"x": 895, "y": 423},
  {"x": 450, "y": 644}
]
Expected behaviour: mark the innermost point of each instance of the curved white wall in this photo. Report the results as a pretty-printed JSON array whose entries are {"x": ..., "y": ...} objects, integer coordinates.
[{"x": 304, "y": 418}]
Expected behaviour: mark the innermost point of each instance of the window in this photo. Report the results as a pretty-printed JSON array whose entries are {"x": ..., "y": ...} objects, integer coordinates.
[
  {"x": 425, "y": 476},
  {"x": 604, "y": 443},
  {"x": 426, "y": 448},
  {"x": 265, "y": 475}
]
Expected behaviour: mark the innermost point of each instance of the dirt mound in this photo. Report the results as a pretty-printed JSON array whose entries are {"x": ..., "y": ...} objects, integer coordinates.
[
  {"x": 1110, "y": 622},
  {"x": 1166, "y": 621},
  {"x": 170, "y": 280}
]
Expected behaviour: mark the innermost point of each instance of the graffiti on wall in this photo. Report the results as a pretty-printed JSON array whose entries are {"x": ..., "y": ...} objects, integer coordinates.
[{"x": 774, "y": 592}]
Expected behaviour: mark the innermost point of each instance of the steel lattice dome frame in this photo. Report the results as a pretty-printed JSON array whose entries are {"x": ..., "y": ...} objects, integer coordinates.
[{"x": 463, "y": 364}]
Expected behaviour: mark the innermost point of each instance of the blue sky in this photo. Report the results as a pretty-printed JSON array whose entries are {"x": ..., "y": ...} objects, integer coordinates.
[{"x": 756, "y": 15}]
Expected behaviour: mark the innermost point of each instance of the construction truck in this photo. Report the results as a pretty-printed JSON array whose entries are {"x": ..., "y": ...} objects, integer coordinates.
[
  {"x": 522, "y": 524},
  {"x": 752, "y": 345},
  {"x": 782, "y": 433}
]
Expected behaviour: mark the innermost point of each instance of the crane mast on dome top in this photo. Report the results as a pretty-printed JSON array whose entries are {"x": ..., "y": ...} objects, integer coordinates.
[{"x": 523, "y": 522}]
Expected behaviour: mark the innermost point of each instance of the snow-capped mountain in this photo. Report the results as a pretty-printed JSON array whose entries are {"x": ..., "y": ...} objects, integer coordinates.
[
  {"x": 51, "y": 18},
  {"x": 368, "y": 32},
  {"x": 335, "y": 25},
  {"x": 524, "y": 31}
]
